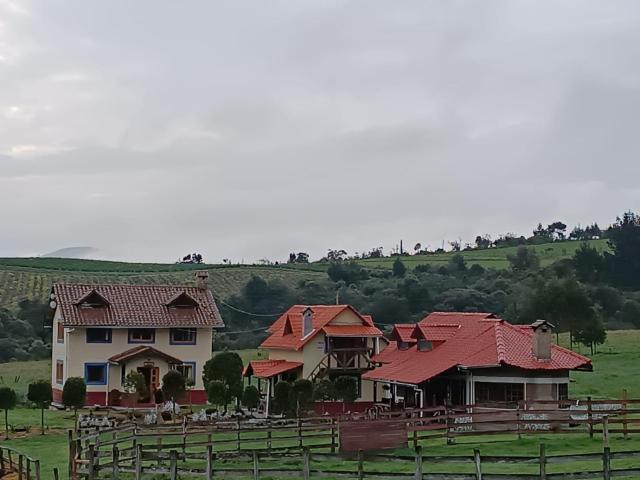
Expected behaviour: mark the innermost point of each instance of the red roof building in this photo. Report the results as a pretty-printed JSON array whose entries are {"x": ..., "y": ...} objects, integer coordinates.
[
  {"x": 319, "y": 341},
  {"x": 103, "y": 332},
  {"x": 468, "y": 358}
]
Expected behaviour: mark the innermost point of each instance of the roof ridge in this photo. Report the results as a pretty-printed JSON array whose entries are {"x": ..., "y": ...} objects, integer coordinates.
[{"x": 501, "y": 347}]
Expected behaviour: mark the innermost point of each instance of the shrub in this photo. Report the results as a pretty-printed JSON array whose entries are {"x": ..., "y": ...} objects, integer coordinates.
[
  {"x": 281, "y": 393},
  {"x": 251, "y": 397},
  {"x": 73, "y": 395}
]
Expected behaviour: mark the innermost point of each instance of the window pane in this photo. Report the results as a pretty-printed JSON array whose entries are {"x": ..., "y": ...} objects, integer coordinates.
[
  {"x": 183, "y": 335},
  {"x": 141, "y": 335},
  {"x": 98, "y": 335},
  {"x": 95, "y": 373}
]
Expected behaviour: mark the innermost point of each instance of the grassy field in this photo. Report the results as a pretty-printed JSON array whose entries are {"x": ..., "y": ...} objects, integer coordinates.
[
  {"x": 489, "y": 258},
  {"x": 20, "y": 281}
]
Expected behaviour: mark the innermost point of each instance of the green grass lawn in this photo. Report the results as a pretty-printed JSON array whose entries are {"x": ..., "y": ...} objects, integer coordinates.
[{"x": 488, "y": 258}]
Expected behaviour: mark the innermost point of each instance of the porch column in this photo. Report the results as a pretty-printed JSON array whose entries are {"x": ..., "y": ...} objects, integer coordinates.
[
  {"x": 266, "y": 410},
  {"x": 375, "y": 392}
]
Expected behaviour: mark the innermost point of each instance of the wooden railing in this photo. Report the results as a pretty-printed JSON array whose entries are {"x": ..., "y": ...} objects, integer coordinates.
[{"x": 12, "y": 461}]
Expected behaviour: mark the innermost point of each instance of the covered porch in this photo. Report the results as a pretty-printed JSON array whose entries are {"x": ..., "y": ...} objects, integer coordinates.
[{"x": 267, "y": 373}]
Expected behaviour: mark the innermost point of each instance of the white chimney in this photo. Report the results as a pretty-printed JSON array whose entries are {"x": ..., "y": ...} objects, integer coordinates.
[
  {"x": 307, "y": 322},
  {"x": 202, "y": 278},
  {"x": 542, "y": 340}
]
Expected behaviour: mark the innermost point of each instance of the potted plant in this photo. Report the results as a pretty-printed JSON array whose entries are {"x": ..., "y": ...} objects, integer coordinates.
[{"x": 135, "y": 387}]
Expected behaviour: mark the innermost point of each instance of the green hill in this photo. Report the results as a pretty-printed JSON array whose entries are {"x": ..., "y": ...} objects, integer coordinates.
[
  {"x": 31, "y": 278},
  {"x": 490, "y": 257}
]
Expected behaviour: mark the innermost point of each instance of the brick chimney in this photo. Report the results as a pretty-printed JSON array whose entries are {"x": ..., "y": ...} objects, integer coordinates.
[
  {"x": 307, "y": 321},
  {"x": 542, "y": 340},
  {"x": 202, "y": 277}
]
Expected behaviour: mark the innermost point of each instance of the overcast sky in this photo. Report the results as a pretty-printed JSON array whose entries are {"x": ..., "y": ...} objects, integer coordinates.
[{"x": 245, "y": 130}]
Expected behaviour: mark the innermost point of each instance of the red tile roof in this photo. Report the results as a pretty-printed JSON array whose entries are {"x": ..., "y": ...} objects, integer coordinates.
[
  {"x": 402, "y": 332},
  {"x": 143, "y": 350},
  {"x": 269, "y": 368},
  {"x": 351, "y": 331},
  {"x": 481, "y": 340},
  {"x": 136, "y": 306},
  {"x": 286, "y": 331}
]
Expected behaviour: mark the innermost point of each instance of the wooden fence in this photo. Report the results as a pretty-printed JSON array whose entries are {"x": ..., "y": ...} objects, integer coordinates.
[
  {"x": 174, "y": 464},
  {"x": 12, "y": 461}
]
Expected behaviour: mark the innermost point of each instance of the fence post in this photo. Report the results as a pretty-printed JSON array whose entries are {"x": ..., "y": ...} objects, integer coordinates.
[
  {"x": 159, "y": 450},
  {"x": 209, "y": 460},
  {"x": 90, "y": 455},
  {"x": 590, "y": 417},
  {"x": 36, "y": 467},
  {"x": 184, "y": 439},
  {"x": 605, "y": 431},
  {"x": 418, "y": 475},
  {"x": 360, "y": 465},
  {"x": 28, "y": 468},
  {"x": 415, "y": 436},
  {"x": 625, "y": 428},
  {"x": 1, "y": 459},
  {"x": 478, "y": 463},
  {"x": 449, "y": 420},
  {"x": 56, "y": 475},
  {"x": 518, "y": 421},
  {"x": 173, "y": 465},
  {"x": 299, "y": 432},
  {"x": 269, "y": 435},
  {"x": 606, "y": 463},
  {"x": 72, "y": 452},
  {"x": 138, "y": 461},
  {"x": 20, "y": 465},
  {"x": 238, "y": 435},
  {"x": 306, "y": 464},
  {"x": 543, "y": 462},
  {"x": 333, "y": 435},
  {"x": 115, "y": 467},
  {"x": 256, "y": 466}
]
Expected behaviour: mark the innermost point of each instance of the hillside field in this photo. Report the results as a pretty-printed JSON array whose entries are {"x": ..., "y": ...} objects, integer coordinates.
[
  {"x": 32, "y": 278},
  {"x": 490, "y": 257}
]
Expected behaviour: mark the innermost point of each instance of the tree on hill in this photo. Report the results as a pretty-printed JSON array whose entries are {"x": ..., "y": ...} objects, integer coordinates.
[
  {"x": 588, "y": 263},
  {"x": 557, "y": 230},
  {"x": 624, "y": 240},
  {"x": 40, "y": 394},
  {"x": 524, "y": 259},
  {"x": 399, "y": 269},
  {"x": 74, "y": 393},
  {"x": 8, "y": 400}
]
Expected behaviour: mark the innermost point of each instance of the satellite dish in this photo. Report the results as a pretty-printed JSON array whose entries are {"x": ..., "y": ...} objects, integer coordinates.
[
  {"x": 52, "y": 296},
  {"x": 53, "y": 304}
]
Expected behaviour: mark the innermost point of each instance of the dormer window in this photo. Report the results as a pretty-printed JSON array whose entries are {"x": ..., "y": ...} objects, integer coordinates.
[
  {"x": 424, "y": 345},
  {"x": 307, "y": 322},
  {"x": 183, "y": 300},
  {"x": 92, "y": 300},
  {"x": 288, "y": 329},
  {"x": 403, "y": 345}
]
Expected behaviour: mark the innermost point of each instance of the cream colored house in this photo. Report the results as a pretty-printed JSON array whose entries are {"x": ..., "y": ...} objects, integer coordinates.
[
  {"x": 102, "y": 332},
  {"x": 319, "y": 341}
]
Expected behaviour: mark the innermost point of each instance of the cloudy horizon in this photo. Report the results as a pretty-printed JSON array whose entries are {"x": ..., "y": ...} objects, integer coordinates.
[{"x": 152, "y": 129}]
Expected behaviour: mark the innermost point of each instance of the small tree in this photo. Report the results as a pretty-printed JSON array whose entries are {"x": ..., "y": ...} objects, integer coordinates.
[
  {"x": 8, "y": 400},
  {"x": 398, "y": 268},
  {"x": 40, "y": 393},
  {"x": 346, "y": 388},
  {"x": 323, "y": 390},
  {"x": 281, "y": 393},
  {"x": 301, "y": 395},
  {"x": 173, "y": 385},
  {"x": 217, "y": 393},
  {"x": 135, "y": 382},
  {"x": 227, "y": 368},
  {"x": 73, "y": 395},
  {"x": 524, "y": 259},
  {"x": 251, "y": 397}
]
